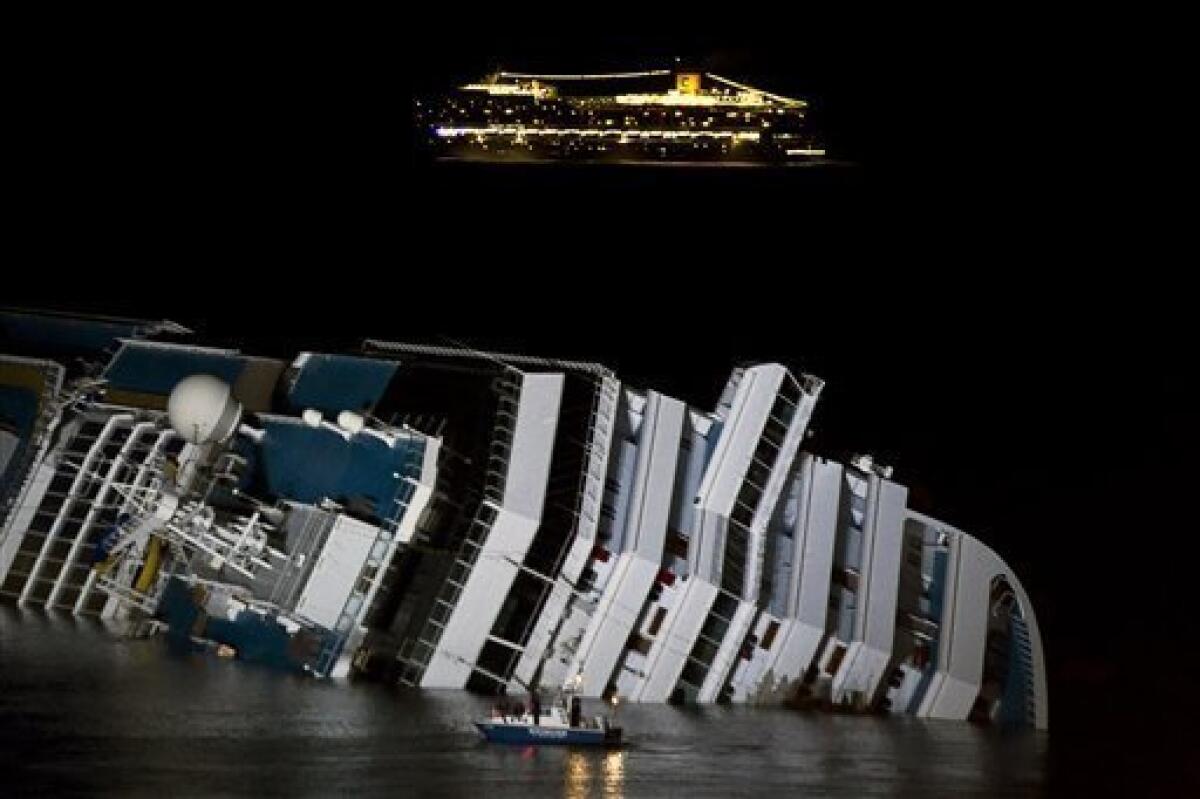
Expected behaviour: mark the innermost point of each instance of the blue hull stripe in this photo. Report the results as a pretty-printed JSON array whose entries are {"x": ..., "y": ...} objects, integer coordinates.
[{"x": 520, "y": 734}]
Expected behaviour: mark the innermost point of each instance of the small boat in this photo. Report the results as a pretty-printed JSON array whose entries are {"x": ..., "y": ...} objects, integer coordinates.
[{"x": 558, "y": 726}]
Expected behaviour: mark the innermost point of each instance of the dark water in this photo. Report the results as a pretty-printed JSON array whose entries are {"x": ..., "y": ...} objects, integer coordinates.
[{"x": 84, "y": 712}]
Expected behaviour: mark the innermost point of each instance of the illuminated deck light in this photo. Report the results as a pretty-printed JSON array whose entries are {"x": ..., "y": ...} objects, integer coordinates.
[{"x": 514, "y": 130}]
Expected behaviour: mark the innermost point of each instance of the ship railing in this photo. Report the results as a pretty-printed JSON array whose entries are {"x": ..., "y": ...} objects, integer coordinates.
[
  {"x": 126, "y": 595},
  {"x": 39, "y": 440}
]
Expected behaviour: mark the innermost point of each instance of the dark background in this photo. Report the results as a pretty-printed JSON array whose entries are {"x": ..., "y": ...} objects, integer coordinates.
[{"x": 986, "y": 289}]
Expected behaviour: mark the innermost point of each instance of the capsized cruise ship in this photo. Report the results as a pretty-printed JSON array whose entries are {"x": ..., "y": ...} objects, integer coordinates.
[
  {"x": 648, "y": 116},
  {"x": 447, "y": 518}
]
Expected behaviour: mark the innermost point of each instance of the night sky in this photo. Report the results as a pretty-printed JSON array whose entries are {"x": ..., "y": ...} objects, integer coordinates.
[{"x": 985, "y": 316}]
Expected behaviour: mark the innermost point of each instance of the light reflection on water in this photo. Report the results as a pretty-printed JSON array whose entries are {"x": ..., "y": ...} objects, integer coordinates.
[
  {"x": 584, "y": 779},
  {"x": 81, "y": 711},
  {"x": 579, "y": 776},
  {"x": 614, "y": 774}
]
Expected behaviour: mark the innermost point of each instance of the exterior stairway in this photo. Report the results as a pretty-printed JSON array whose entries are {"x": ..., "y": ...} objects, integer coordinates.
[
  {"x": 415, "y": 654},
  {"x": 1017, "y": 703}
]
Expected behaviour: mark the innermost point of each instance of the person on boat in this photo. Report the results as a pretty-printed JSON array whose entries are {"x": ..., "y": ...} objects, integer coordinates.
[{"x": 535, "y": 706}]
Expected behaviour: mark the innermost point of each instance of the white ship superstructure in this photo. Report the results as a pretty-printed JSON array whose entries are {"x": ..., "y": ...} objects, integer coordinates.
[{"x": 453, "y": 519}]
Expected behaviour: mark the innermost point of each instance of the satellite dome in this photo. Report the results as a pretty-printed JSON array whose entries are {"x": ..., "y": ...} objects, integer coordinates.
[{"x": 202, "y": 409}]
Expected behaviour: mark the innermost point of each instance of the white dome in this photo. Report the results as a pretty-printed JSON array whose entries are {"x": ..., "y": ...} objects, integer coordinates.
[
  {"x": 202, "y": 409},
  {"x": 351, "y": 422}
]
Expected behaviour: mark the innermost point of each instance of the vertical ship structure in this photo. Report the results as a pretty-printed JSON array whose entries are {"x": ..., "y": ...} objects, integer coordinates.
[{"x": 453, "y": 519}]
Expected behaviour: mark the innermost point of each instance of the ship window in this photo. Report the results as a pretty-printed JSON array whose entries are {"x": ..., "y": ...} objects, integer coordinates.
[
  {"x": 835, "y": 660},
  {"x": 640, "y": 644},
  {"x": 657, "y": 622},
  {"x": 769, "y": 636},
  {"x": 677, "y": 544},
  {"x": 587, "y": 581}
]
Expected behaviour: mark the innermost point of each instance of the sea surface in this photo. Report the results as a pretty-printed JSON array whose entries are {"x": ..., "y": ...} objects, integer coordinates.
[{"x": 83, "y": 711}]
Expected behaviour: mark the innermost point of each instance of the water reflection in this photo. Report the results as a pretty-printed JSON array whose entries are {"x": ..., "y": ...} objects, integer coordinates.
[
  {"x": 579, "y": 775},
  {"x": 614, "y": 773},
  {"x": 137, "y": 719},
  {"x": 587, "y": 771}
]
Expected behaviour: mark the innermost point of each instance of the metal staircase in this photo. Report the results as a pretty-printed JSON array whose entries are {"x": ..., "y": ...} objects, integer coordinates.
[
  {"x": 601, "y": 428},
  {"x": 378, "y": 562},
  {"x": 415, "y": 654},
  {"x": 1017, "y": 705}
]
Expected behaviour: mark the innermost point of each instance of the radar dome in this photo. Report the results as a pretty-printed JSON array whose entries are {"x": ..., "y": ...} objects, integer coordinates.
[{"x": 202, "y": 409}]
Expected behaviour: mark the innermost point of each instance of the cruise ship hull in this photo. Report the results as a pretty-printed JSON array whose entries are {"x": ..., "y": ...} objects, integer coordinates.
[{"x": 445, "y": 518}]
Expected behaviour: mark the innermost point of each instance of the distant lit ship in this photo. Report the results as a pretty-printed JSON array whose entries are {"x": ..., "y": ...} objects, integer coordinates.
[
  {"x": 704, "y": 117},
  {"x": 447, "y": 518}
]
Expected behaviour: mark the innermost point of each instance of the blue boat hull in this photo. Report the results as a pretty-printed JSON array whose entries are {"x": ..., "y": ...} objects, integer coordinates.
[{"x": 547, "y": 736}]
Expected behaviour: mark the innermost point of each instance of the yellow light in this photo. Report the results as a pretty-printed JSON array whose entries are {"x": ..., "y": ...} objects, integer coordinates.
[
  {"x": 614, "y": 773},
  {"x": 578, "y": 776},
  {"x": 645, "y": 133}
]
